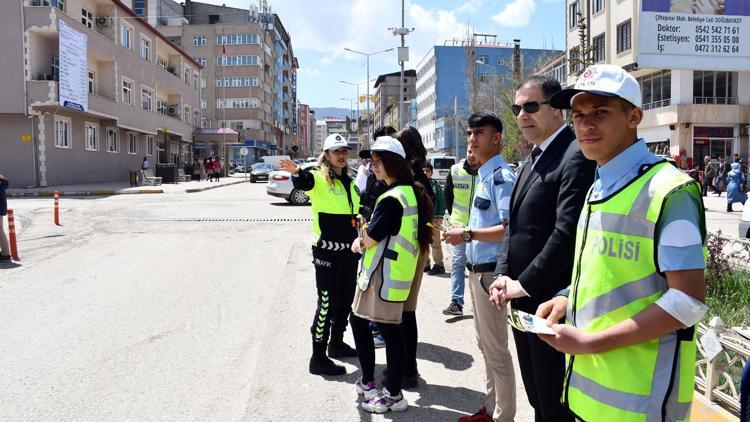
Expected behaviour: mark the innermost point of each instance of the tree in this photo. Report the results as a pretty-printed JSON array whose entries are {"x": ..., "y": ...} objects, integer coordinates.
[{"x": 583, "y": 59}]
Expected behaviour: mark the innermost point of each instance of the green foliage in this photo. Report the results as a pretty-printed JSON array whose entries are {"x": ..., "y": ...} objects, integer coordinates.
[{"x": 727, "y": 288}]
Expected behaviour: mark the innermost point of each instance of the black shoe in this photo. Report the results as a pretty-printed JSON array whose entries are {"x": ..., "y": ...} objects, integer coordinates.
[
  {"x": 454, "y": 309},
  {"x": 427, "y": 269},
  {"x": 407, "y": 381},
  {"x": 4, "y": 257},
  {"x": 321, "y": 365},
  {"x": 437, "y": 269},
  {"x": 341, "y": 350}
]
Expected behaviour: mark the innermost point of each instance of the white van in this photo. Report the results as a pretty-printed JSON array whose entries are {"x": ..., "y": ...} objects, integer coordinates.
[{"x": 441, "y": 167}]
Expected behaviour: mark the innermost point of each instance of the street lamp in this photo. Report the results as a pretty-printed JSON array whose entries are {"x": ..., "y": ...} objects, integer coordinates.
[
  {"x": 351, "y": 106},
  {"x": 358, "y": 114},
  {"x": 494, "y": 84},
  {"x": 369, "y": 126}
]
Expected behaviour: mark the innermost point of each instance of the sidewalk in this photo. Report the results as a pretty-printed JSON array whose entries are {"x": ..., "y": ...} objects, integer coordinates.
[{"x": 124, "y": 188}]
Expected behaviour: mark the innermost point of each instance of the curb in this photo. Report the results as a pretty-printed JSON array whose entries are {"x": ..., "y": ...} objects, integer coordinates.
[
  {"x": 214, "y": 187},
  {"x": 104, "y": 192},
  {"x": 705, "y": 411}
]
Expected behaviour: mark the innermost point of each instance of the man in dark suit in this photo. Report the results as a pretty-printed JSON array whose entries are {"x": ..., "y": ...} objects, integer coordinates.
[{"x": 538, "y": 259}]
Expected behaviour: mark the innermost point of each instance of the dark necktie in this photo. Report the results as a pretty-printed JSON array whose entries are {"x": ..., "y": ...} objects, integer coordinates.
[{"x": 526, "y": 169}]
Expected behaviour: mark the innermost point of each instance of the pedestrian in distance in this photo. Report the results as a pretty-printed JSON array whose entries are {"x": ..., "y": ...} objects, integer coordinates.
[
  {"x": 217, "y": 168},
  {"x": 695, "y": 173},
  {"x": 145, "y": 165},
  {"x": 196, "y": 170},
  {"x": 438, "y": 211},
  {"x": 396, "y": 236},
  {"x": 484, "y": 237},
  {"x": 736, "y": 179},
  {"x": 638, "y": 286},
  {"x": 4, "y": 245},
  {"x": 335, "y": 201},
  {"x": 209, "y": 165},
  {"x": 710, "y": 170},
  {"x": 460, "y": 185},
  {"x": 721, "y": 176},
  {"x": 538, "y": 257}
]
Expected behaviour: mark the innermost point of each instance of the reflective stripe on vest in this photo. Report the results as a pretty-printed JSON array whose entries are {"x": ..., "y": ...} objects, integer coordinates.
[
  {"x": 616, "y": 277},
  {"x": 463, "y": 190},
  {"x": 398, "y": 254},
  {"x": 330, "y": 199}
]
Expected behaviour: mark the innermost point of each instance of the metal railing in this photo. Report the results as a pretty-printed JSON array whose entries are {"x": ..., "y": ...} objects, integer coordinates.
[
  {"x": 657, "y": 104},
  {"x": 715, "y": 100},
  {"x": 719, "y": 379}
]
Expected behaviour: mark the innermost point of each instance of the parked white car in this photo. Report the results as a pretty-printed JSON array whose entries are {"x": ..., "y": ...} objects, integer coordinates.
[{"x": 280, "y": 185}]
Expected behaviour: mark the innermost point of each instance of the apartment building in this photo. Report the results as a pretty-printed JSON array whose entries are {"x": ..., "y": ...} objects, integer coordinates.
[
  {"x": 142, "y": 97},
  {"x": 388, "y": 93},
  {"x": 250, "y": 81},
  {"x": 688, "y": 114}
]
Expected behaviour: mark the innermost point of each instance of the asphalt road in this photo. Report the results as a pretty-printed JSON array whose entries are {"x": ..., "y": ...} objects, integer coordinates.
[{"x": 193, "y": 307}]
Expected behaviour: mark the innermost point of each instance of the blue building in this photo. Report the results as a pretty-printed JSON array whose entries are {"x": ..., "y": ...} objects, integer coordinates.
[{"x": 449, "y": 76}]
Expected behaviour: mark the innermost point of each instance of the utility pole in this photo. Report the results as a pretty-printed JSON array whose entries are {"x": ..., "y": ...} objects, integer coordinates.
[
  {"x": 369, "y": 126},
  {"x": 403, "y": 56}
]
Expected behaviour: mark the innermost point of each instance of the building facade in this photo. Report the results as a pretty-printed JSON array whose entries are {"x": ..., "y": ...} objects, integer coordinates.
[
  {"x": 143, "y": 94},
  {"x": 388, "y": 93},
  {"x": 303, "y": 136},
  {"x": 321, "y": 131},
  {"x": 448, "y": 80},
  {"x": 688, "y": 114}
]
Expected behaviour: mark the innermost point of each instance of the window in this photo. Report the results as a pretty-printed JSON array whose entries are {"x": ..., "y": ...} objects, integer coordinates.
[
  {"x": 484, "y": 59},
  {"x": 146, "y": 49},
  {"x": 714, "y": 87},
  {"x": 237, "y": 39},
  {"x": 112, "y": 144},
  {"x": 203, "y": 103},
  {"x": 574, "y": 56},
  {"x": 55, "y": 68},
  {"x": 656, "y": 89},
  {"x": 237, "y": 81},
  {"x": 92, "y": 82},
  {"x": 203, "y": 82},
  {"x": 161, "y": 106},
  {"x": 212, "y": 19},
  {"x": 132, "y": 143},
  {"x": 127, "y": 92},
  {"x": 195, "y": 80},
  {"x": 60, "y": 4},
  {"x": 139, "y": 7},
  {"x": 186, "y": 74},
  {"x": 87, "y": 18},
  {"x": 62, "y": 132},
  {"x": 237, "y": 103},
  {"x": 201, "y": 61},
  {"x": 597, "y": 6},
  {"x": 237, "y": 60},
  {"x": 186, "y": 115},
  {"x": 147, "y": 99},
  {"x": 597, "y": 45},
  {"x": 573, "y": 15},
  {"x": 624, "y": 36},
  {"x": 199, "y": 40},
  {"x": 149, "y": 145},
  {"x": 126, "y": 35},
  {"x": 176, "y": 41},
  {"x": 161, "y": 63},
  {"x": 90, "y": 136}
]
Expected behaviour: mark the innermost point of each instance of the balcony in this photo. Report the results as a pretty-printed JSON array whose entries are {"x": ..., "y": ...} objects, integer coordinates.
[
  {"x": 715, "y": 100},
  {"x": 43, "y": 19},
  {"x": 730, "y": 114}
]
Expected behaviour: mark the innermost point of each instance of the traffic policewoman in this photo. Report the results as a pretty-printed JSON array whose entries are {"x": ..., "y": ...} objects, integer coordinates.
[
  {"x": 335, "y": 202},
  {"x": 638, "y": 286},
  {"x": 396, "y": 236}
]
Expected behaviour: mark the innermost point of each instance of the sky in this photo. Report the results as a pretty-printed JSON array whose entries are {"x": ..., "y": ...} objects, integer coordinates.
[{"x": 321, "y": 29}]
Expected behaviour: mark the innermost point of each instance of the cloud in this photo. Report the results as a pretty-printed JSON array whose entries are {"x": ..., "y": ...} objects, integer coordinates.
[
  {"x": 516, "y": 14},
  {"x": 315, "y": 73},
  {"x": 471, "y": 6},
  {"x": 326, "y": 61}
]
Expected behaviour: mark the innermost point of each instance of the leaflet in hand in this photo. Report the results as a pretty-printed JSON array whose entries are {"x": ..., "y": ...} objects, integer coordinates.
[{"x": 522, "y": 321}]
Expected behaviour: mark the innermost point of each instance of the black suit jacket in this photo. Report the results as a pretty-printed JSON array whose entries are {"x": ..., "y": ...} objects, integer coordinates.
[{"x": 544, "y": 211}]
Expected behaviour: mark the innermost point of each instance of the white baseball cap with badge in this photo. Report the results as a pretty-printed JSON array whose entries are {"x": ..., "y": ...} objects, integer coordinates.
[
  {"x": 334, "y": 142},
  {"x": 606, "y": 80},
  {"x": 384, "y": 143}
]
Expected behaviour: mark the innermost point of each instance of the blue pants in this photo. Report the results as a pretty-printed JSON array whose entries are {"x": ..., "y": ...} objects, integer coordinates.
[{"x": 458, "y": 273}]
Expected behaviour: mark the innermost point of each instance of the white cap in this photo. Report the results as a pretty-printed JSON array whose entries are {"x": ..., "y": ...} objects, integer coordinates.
[
  {"x": 601, "y": 79},
  {"x": 385, "y": 143},
  {"x": 335, "y": 141}
]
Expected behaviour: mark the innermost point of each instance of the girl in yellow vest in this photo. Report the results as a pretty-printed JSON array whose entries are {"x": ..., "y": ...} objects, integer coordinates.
[
  {"x": 335, "y": 202},
  {"x": 395, "y": 237}
]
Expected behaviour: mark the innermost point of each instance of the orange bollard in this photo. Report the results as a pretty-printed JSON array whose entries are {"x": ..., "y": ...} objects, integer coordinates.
[
  {"x": 12, "y": 235},
  {"x": 57, "y": 208}
]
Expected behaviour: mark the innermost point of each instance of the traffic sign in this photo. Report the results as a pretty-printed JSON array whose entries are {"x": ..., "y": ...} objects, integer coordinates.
[{"x": 243, "y": 151}]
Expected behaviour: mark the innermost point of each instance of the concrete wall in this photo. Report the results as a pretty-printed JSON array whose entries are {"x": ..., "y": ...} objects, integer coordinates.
[
  {"x": 17, "y": 156},
  {"x": 12, "y": 65}
]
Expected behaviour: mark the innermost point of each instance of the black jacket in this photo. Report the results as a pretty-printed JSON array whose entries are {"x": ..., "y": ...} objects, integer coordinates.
[
  {"x": 374, "y": 188},
  {"x": 333, "y": 227},
  {"x": 544, "y": 211}
]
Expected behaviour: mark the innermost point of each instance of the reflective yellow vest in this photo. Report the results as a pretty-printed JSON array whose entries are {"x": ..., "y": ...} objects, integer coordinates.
[
  {"x": 463, "y": 193},
  {"x": 616, "y": 277},
  {"x": 330, "y": 199},
  {"x": 397, "y": 254}
]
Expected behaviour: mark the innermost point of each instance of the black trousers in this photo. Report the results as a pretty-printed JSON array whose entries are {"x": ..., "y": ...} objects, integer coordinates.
[
  {"x": 394, "y": 351},
  {"x": 335, "y": 279},
  {"x": 543, "y": 374}
]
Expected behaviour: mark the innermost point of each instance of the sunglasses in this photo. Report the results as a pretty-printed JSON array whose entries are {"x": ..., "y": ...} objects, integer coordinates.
[{"x": 530, "y": 107}]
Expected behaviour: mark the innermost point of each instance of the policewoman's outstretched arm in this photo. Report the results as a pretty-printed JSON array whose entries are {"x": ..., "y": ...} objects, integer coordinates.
[{"x": 301, "y": 179}]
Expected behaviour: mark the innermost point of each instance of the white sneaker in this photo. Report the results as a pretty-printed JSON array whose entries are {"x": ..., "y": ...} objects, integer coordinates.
[
  {"x": 369, "y": 390},
  {"x": 385, "y": 402}
]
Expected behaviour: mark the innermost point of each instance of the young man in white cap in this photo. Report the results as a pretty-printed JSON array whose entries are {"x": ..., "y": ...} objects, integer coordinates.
[
  {"x": 335, "y": 203},
  {"x": 638, "y": 288}
]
